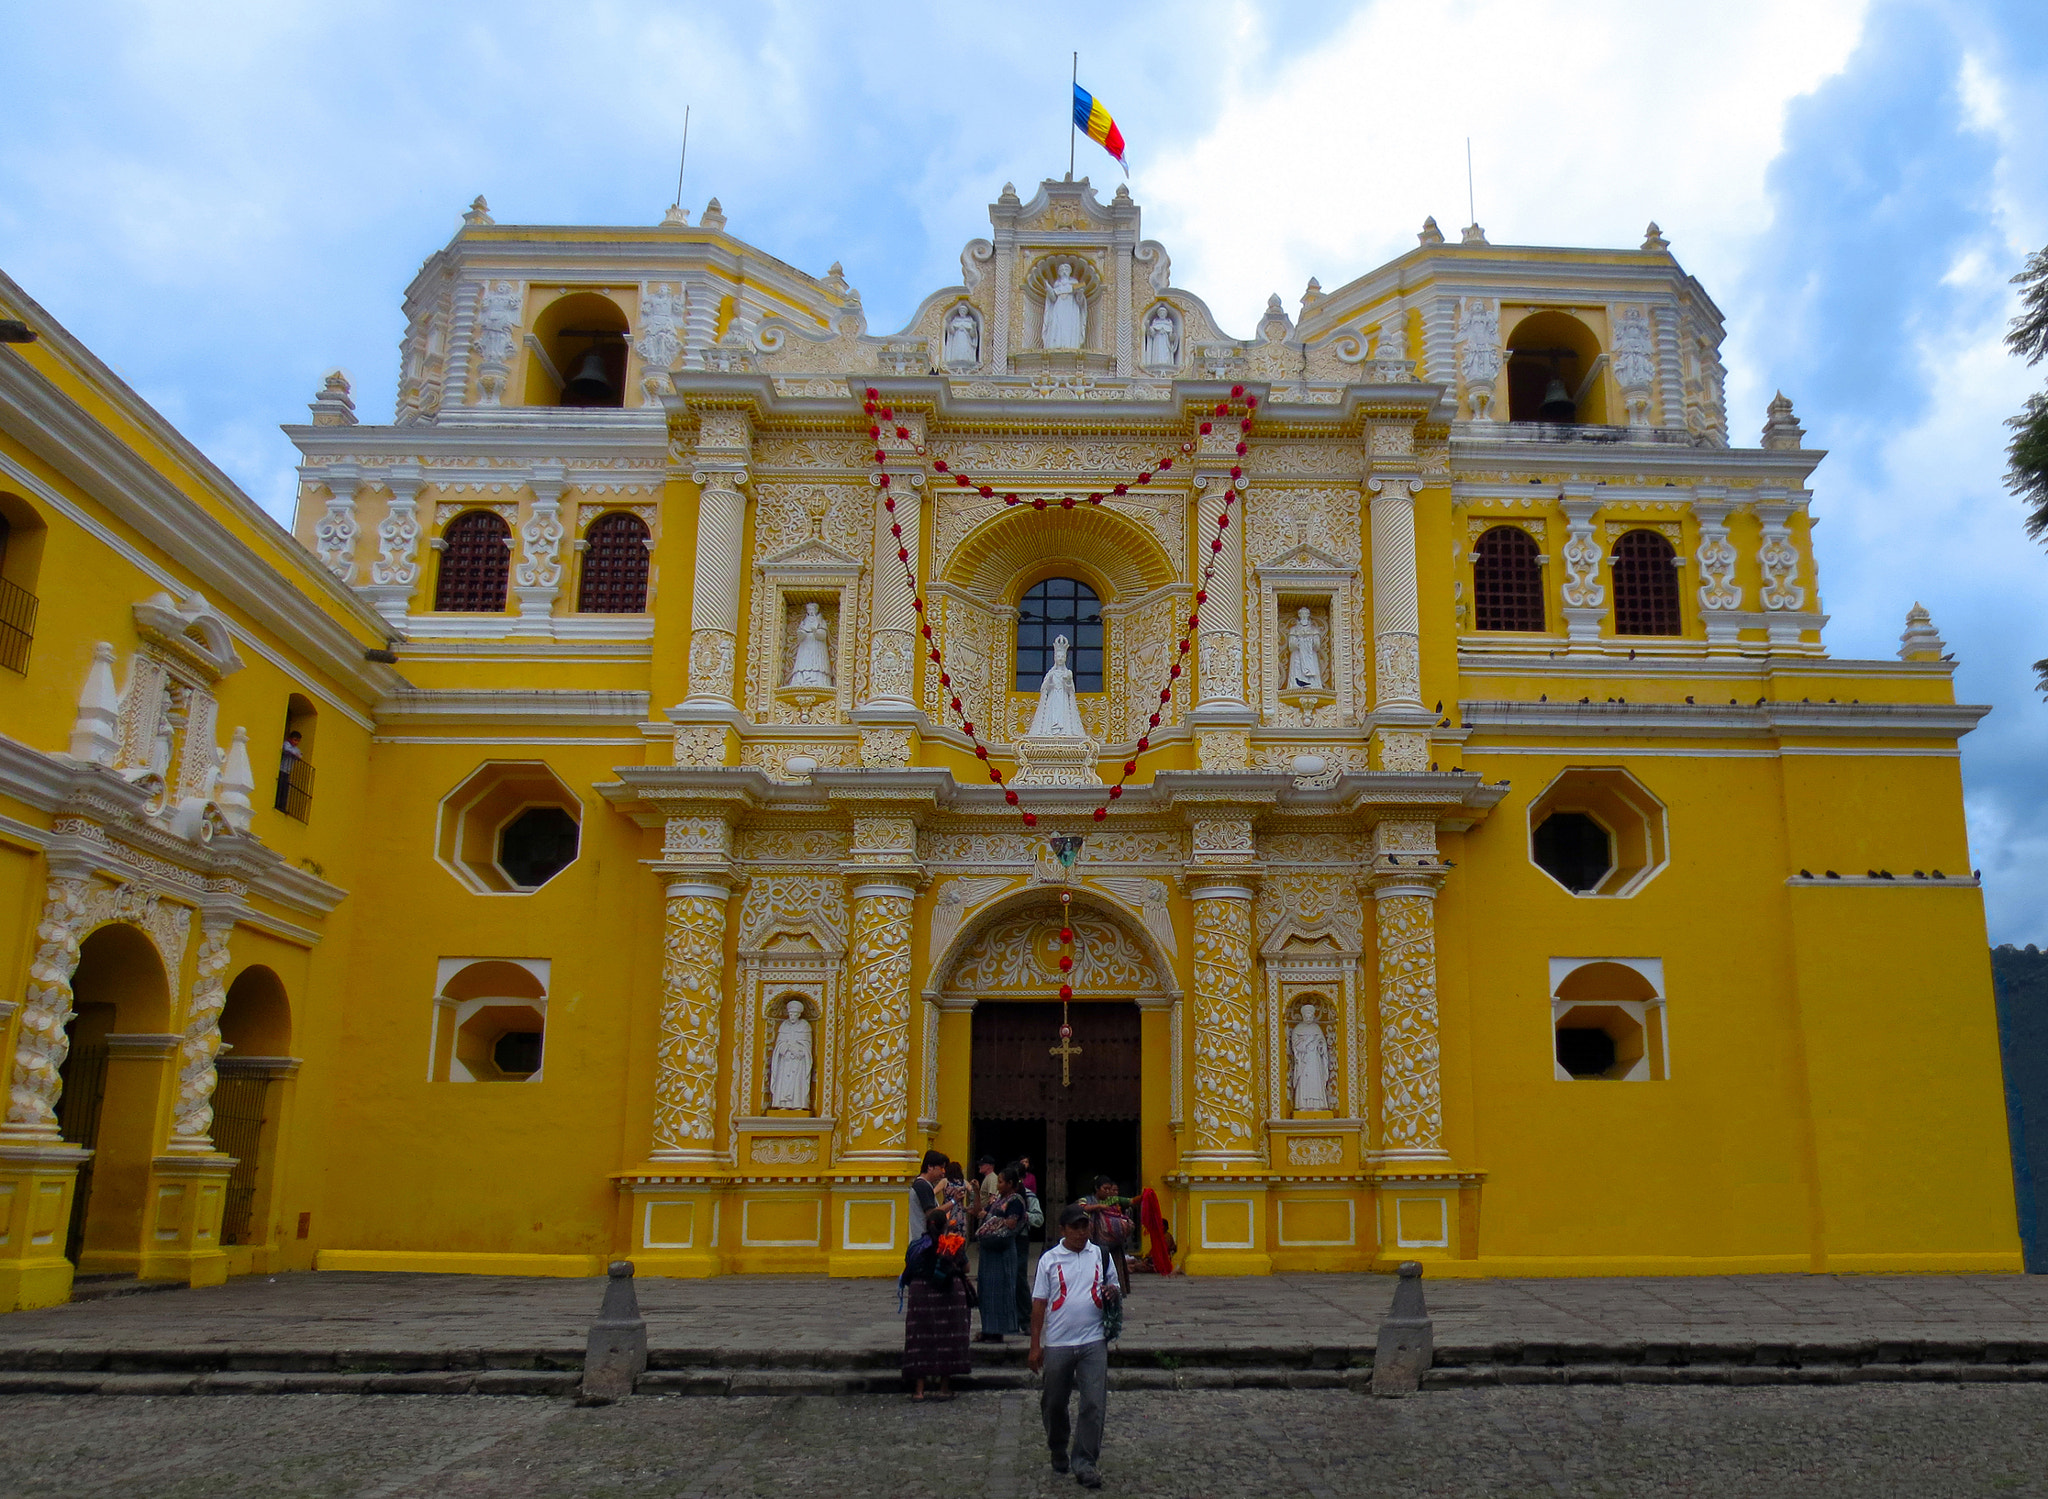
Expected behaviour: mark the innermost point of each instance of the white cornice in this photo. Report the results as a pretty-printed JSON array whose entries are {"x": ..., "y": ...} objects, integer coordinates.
[
  {"x": 550, "y": 708},
  {"x": 1753, "y": 667},
  {"x": 1708, "y": 721},
  {"x": 1473, "y": 449},
  {"x": 536, "y": 433}
]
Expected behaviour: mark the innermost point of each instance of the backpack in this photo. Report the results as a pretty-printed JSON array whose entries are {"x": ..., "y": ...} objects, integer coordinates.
[
  {"x": 1112, "y": 1228},
  {"x": 1033, "y": 1213},
  {"x": 1112, "y": 1299}
]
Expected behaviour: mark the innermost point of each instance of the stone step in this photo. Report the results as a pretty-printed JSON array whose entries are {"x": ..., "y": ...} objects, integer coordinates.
[{"x": 104, "y": 1287}]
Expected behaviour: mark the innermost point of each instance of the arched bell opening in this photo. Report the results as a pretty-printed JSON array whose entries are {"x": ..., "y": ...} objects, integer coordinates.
[
  {"x": 578, "y": 355},
  {"x": 113, "y": 1085},
  {"x": 1555, "y": 370}
]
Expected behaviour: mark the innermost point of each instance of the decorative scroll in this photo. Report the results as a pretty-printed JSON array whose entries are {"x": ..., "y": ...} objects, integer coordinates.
[
  {"x": 193, "y": 1121},
  {"x": 41, "y": 1045},
  {"x": 686, "y": 1055}
]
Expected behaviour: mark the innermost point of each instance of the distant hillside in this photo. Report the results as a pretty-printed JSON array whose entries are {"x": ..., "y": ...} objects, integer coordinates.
[{"x": 2020, "y": 979}]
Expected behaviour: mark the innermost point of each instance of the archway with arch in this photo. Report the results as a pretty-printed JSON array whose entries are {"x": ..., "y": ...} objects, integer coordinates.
[
  {"x": 253, "y": 1069},
  {"x": 114, "y": 1077},
  {"x": 1072, "y": 1104}
]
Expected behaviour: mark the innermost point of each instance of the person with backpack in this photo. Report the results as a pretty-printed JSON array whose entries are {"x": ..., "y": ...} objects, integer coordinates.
[
  {"x": 1034, "y": 1220},
  {"x": 1076, "y": 1310},
  {"x": 1110, "y": 1216}
]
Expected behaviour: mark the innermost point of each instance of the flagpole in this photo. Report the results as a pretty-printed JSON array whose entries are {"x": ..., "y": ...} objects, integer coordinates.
[
  {"x": 1070, "y": 118},
  {"x": 686, "y": 156}
]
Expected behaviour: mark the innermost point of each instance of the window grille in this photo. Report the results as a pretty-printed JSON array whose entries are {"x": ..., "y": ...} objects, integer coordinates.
[
  {"x": 1059, "y": 606},
  {"x": 614, "y": 579},
  {"x": 1507, "y": 581},
  {"x": 1645, "y": 585},
  {"x": 238, "y": 1130},
  {"x": 474, "y": 564},
  {"x": 295, "y": 789}
]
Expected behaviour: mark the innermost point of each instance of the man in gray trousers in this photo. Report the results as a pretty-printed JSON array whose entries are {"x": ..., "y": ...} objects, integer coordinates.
[{"x": 1067, "y": 1344}]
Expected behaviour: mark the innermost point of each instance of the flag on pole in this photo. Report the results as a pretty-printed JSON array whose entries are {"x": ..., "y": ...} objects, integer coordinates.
[{"x": 1094, "y": 122}]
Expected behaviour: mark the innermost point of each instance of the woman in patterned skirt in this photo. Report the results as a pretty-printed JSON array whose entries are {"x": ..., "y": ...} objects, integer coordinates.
[
  {"x": 936, "y": 1325},
  {"x": 1001, "y": 1236}
]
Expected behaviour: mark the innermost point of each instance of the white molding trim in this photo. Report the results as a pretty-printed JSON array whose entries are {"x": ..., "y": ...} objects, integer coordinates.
[
  {"x": 537, "y": 741},
  {"x": 1897, "y": 882},
  {"x": 550, "y": 706},
  {"x": 1705, "y": 720}
]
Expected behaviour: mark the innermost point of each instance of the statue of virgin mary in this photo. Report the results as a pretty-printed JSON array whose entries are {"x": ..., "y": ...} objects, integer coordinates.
[
  {"x": 1065, "y": 325},
  {"x": 1059, "y": 711}
]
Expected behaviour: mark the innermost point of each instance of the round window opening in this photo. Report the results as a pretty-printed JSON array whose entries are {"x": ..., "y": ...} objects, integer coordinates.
[
  {"x": 1583, "y": 1051},
  {"x": 1574, "y": 850},
  {"x": 517, "y": 1053},
  {"x": 537, "y": 845}
]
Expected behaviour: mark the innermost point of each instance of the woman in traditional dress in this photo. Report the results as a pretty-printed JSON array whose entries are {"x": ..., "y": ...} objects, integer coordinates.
[
  {"x": 956, "y": 1197},
  {"x": 1001, "y": 1237},
  {"x": 935, "y": 1326}
]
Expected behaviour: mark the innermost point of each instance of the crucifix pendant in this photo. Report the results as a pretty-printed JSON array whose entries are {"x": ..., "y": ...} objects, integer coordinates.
[{"x": 1066, "y": 1051}]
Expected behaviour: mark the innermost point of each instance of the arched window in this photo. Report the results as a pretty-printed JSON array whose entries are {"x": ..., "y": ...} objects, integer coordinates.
[
  {"x": 1059, "y": 606},
  {"x": 614, "y": 577},
  {"x": 1554, "y": 371},
  {"x": 1645, "y": 585},
  {"x": 295, "y": 759},
  {"x": 21, "y": 549},
  {"x": 475, "y": 560},
  {"x": 1507, "y": 581}
]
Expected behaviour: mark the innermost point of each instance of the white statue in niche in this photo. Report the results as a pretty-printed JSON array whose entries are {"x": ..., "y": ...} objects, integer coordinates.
[
  {"x": 1311, "y": 1051},
  {"x": 1162, "y": 338},
  {"x": 1065, "y": 322},
  {"x": 963, "y": 338},
  {"x": 1305, "y": 653},
  {"x": 1059, "y": 711},
  {"x": 812, "y": 664},
  {"x": 789, "y": 1067}
]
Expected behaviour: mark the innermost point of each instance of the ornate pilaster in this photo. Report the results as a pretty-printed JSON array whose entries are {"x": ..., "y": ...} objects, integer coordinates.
[
  {"x": 696, "y": 862},
  {"x": 892, "y": 633},
  {"x": 192, "y": 1116},
  {"x": 537, "y": 580},
  {"x": 397, "y": 568},
  {"x": 1222, "y": 717},
  {"x": 1585, "y": 596},
  {"x": 1400, "y": 738},
  {"x": 1406, "y": 875},
  {"x": 724, "y": 450},
  {"x": 335, "y": 535},
  {"x": 1720, "y": 595},
  {"x": 1225, "y": 1110},
  {"x": 1777, "y": 556},
  {"x": 882, "y": 880},
  {"x": 41, "y": 1043}
]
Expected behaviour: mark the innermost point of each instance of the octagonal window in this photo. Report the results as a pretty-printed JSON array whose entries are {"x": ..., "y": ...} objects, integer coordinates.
[
  {"x": 536, "y": 845},
  {"x": 1607, "y": 1020},
  {"x": 490, "y": 1020},
  {"x": 1597, "y": 831},
  {"x": 509, "y": 828}
]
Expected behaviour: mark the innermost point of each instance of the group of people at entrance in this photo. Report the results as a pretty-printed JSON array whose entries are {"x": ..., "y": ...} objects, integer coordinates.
[{"x": 1072, "y": 1305}]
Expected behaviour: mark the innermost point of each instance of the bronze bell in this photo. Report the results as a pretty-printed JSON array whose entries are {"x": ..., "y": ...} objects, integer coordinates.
[
  {"x": 1558, "y": 405},
  {"x": 590, "y": 385}
]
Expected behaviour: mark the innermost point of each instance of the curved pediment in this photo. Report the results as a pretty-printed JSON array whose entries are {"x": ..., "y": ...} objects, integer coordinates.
[{"x": 1016, "y": 956}]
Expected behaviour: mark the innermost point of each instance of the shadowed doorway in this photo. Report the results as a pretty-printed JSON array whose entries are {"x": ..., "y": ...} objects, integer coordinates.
[{"x": 1020, "y": 1107}]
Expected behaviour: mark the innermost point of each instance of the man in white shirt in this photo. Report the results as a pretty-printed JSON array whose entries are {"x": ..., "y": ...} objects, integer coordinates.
[{"x": 1067, "y": 1345}]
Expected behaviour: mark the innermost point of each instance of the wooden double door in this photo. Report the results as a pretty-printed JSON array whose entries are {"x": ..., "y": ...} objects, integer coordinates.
[{"x": 1070, "y": 1128}]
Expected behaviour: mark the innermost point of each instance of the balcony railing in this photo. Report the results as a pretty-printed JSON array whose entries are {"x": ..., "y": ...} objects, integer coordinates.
[
  {"x": 1578, "y": 432},
  {"x": 295, "y": 790},
  {"x": 17, "y": 625}
]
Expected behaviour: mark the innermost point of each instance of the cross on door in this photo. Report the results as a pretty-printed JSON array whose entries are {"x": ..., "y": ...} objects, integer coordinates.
[{"x": 1066, "y": 1051}]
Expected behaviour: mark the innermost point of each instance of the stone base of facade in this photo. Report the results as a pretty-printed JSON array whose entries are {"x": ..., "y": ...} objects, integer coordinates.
[{"x": 36, "y": 1184}]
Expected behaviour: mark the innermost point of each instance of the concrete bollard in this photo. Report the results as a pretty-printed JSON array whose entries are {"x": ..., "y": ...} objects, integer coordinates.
[
  {"x": 1406, "y": 1344},
  {"x": 617, "y": 1352}
]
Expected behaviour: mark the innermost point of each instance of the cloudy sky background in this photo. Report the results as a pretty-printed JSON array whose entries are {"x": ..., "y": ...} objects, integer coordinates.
[{"x": 226, "y": 200}]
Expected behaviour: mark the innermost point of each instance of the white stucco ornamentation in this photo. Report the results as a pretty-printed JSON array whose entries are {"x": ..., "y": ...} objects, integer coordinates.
[
  {"x": 42, "y": 1043},
  {"x": 1479, "y": 353},
  {"x": 877, "y": 1109},
  {"x": 1411, "y": 1101},
  {"x": 1225, "y": 1039},
  {"x": 192, "y": 1119},
  {"x": 692, "y": 996}
]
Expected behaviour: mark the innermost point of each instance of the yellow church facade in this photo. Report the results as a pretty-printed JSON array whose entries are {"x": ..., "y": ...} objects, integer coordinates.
[{"x": 1512, "y": 881}]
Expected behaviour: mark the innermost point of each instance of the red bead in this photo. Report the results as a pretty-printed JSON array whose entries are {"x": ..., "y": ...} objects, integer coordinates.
[
  {"x": 1166, "y": 694},
  {"x": 1194, "y": 620},
  {"x": 884, "y": 481},
  {"x": 1200, "y": 598},
  {"x": 903, "y": 555},
  {"x": 888, "y": 415},
  {"x": 926, "y": 630},
  {"x": 1223, "y": 521},
  {"x": 1038, "y": 503},
  {"x": 935, "y": 658},
  {"x": 1216, "y": 545},
  {"x": 1236, "y": 472},
  {"x": 1066, "y": 934},
  {"x": 1066, "y": 502},
  {"x": 1121, "y": 489},
  {"x": 1252, "y": 401},
  {"x": 1241, "y": 450},
  {"x": 917, "y": 604},
  {"x": 1205, "y": 429},
  {"x": 963, "y": 481},
  {"x": 1144, "y": 743},
  {"x": 1066, "y": 963},
  {"x": 895, "y": 530},
  {"x": 939, "y": 465},
  {"x": 880, "y": 456},
  {"x": 1130, "y": 767},
  {"x": 1229, "y": 498},
  {"x": 1101, "y": 813},
  {"x": 1236, "y": 393},
  {"x": 905, "y": 431},
  {"x": 987, "y": 490},
  {"x": 873, "y": 393},
  {"x": 1144, "y": 476},
  {"x": 1095, "y": 499},
  {"x": 1243, "y": 426},
  {"x": 875, "y": 432},
  {"x": 1165, "y": 463},
  {"x": 1009, "y": 499},
  {"x": 1008, "y": 796},
  {"x": 1155, "y": 724},
  {"x": 1223, "y": 408},
  {"x": 968, "y": 726},
  {"x": 1030, "y": 819},
  {"x": 1066, "y": 992},
  {"x": 945, "y": 680},
  {"x": 1184, "y": 647},
  {"x": 1175, "y": 671},
  {"x": 1115, "y": 792}
]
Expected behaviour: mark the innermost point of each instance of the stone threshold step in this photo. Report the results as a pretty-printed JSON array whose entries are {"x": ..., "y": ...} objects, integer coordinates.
[{"x": 1485, "y": 1376}]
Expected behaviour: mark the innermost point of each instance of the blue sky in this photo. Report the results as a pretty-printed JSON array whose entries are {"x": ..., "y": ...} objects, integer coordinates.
[{"x": 226, "y": 200}]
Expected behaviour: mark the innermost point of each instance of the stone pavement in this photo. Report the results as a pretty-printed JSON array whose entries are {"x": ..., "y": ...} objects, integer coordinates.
[{"x": 1871, "y": 1442}]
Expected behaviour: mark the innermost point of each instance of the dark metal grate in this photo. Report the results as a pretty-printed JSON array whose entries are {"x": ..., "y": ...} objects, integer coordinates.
[
  {"x": 474, "y": 564},
  {"x": 1507, "y": 581},
  {"x": 1645, "y": 585},
  {"x": 84, "y": 1089},
  {"x": 295, "y": 790},
  {"x": 17, "y": 625},
  {"x": 614, "y": 577},
  {"x": 238, "y": 1130}
]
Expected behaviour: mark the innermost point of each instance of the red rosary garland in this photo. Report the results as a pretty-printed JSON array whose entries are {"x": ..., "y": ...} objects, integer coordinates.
[{"x": 880, "y": 415}]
